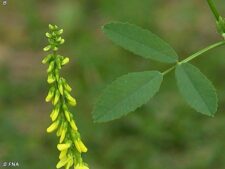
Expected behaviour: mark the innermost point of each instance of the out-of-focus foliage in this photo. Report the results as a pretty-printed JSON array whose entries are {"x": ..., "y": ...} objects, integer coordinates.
[{"x": 165, "y": 133}]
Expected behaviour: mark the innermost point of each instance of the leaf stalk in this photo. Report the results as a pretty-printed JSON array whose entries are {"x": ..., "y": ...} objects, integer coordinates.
[{"x": 195, "y": 55}]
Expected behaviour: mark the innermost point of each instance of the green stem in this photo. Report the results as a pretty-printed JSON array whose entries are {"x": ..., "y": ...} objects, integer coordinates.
[
  {"x": 203, "y": 51},
  {"x": 169, "y": 70},
  {"x": 213, "y": 9},
  {"x": 195, "y": 55}
]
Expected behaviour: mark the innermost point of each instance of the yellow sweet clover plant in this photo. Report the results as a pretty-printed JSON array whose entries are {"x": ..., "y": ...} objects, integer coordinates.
[{"x": 70, "y": 145}]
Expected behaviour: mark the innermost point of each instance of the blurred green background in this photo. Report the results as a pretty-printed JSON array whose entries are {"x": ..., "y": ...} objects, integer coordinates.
[{"x": 164, "y": 134}]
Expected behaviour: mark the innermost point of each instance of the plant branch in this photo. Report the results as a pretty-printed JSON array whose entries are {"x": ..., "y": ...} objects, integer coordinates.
[
  {"x": 213, "y": 9},
  {"x": 195, "y": 55}
]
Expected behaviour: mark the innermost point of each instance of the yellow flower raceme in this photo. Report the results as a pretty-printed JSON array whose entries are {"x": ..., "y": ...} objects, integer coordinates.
[{"x": 70, "y": 145}]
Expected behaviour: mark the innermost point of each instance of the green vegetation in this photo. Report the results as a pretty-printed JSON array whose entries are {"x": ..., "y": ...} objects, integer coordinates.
[
  {"x": 164, "y": 133},
  {"x": 132, "y": 91}
]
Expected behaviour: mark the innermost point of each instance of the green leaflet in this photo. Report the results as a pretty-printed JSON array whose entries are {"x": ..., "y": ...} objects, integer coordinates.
[
  {"x": 196, "y": 89},
  {"x": 126, "y": 94},
  {"x": 140, "y": 41}
]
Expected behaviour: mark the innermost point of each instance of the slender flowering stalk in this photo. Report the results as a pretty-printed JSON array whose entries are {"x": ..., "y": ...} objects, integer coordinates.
[{"x": 70, "y": 145}]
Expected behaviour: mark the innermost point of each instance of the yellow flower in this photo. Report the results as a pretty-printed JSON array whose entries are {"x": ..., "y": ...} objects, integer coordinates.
[
  {"x": 50, "y": 95},
  {"x": 67, "y": 114},
  {"x": 51, "y": 78},
  {"x": 81, "y": 166},
  {"x": 47, "y": 48},
  {"x": 62, "y": 147},
  {"x": 51, "y": 67},
  {"x": 54, "y": 114},
  {"x": 80, "y": 146},
  {"x": 73, "y": 125},
  {"x": 63, "y": 154},
  {"x": 57, "y": 97},
  {"x": 67, "y": 87},
  {"x": 63, "y": 134},
  {"x": 60, "y": 86},
  {"x": 65, "y": 61},
  {"x": 70, "y": 163},
  {"x": 62, "y": 162},
  {"x": 70, "y": 99},
  {"x": 53, "y": 127},
  {"x": 47, "y": 59},
  {"x": 59, "y": 132}
]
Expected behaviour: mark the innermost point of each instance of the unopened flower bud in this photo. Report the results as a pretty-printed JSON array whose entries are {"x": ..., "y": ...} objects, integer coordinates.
[
  {"x": 59, "y": 132},
  {"x": 57, "y": 97},
  {"x": 62, "y": 162},
  {"x": 63, "y": 154},
  {"x": 54, "y": 114},
  {"x": 50, "y": 95},
  {"x": 47, "y": 48},
  {"x": 73, "y": 125},
  {"x": 80, "y": 146},
  {"x": 53, "y": 127},
  {"x": 65, "y": 61},
  {"x": 48, "y": 35},
  {"x": 51, "y": 27},
  {"x": 62, "y": 147},
  {"x": 62, "y": 41},
  {"x": 60, "y": 86},
  {"x": 70, "y": 99},
  {"x": 67, "y": 114},
  {"x": 47, "y": 59},
  {"x": 63, "y": 134},
  {"x": 51, "y": 67},
  {"x": 51, "y": 78},
  {"x": 60, "y": 32},
  {"x": 55, "y": 48}
]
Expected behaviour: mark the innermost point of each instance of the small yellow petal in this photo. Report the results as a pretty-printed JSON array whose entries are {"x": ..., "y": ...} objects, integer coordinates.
[
  {"x": 70, "y": 99},
  {"x": 48, "y": 35},
  {"x": 60, "y": 88},
  {"x": 51, "y": 27},
  {"x": 82, "y": 146},
  {"x": 62, "y": 147},
  {"x": 63, "y": 134},
  {"x": 77, "y": 146},
  {"x": 73, "y": 125},
  {"x": 65, "y": 61},
  {"x": 70, "y": 163},
  {"x": 67, "y": 87},
  {"x": 73, "y": 103},
  {"x": 47, "y": 48},
  {"x": 67, "y": 114},
  {"x": 57, "y": 97},
  {"x": 50, "y": 95},
  {"x": 54, "y": 114},
  {"x": 60, "y": 32},
  {"x": 47, "y": 59},
  {"x": 59, "y": 132},
  {"x": 53, "y": 127},
  {"x": 50, "y": 67},
  {"x": 63, "y": 154},
  {"x": 51, "y": 79},
  {"x": 81, "y": 166},
  {"x": 62, "y": 162}
]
